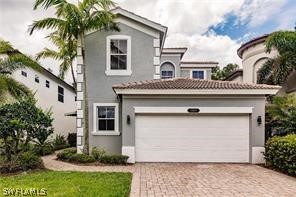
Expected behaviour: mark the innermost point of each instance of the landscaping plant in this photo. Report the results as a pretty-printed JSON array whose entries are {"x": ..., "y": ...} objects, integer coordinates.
[
  {"x": 280, "y": 153},
  {"x": 72, "y": 138},
  {"x": 59, "y": 142}
]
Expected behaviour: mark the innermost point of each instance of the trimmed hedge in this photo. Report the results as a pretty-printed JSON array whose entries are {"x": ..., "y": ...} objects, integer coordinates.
[
  {"x": 280, "y": 153},
  {"x": 114, "y": 159},
  {"x": 71, "y": 156}
]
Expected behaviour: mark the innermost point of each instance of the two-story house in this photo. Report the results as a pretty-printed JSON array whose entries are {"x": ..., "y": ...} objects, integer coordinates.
[{"x": 145, "y": 102}]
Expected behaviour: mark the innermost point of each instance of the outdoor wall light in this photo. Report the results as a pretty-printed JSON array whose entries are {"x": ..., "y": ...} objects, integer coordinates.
[
  {"x": 128, "y": 119},
  {"x": 259, "y": 120}
]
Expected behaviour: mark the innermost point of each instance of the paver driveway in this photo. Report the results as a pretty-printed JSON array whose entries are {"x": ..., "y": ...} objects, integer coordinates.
[
  {"x": 185, "y": 179},
  {"x": 191, "y": 179}
]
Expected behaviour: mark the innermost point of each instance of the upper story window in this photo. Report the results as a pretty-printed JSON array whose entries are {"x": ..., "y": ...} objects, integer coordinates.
[
  {"x": 47, "y": 83},
  {"x": 60, "y": 94},
  {"x": 198, "y": 74},
  {"x": 118, "y": 55},
  {"x": 36, "y": 78},
  {"x": 24, "y": 73},
  {"x": 167, "y": 70}
]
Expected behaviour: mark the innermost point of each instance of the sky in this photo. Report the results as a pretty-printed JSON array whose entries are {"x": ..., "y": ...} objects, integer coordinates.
[{"x": 210, "y": 29}]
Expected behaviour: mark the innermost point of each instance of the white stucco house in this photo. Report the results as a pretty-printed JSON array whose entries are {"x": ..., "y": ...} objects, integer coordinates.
[
  {"x": 254, "y": 55},
  {"x": 51, "y": 93}
]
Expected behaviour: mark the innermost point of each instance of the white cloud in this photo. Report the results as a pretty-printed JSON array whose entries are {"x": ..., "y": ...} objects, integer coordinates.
[
  {"x": 207, "y": 47},
  {"x": 256, "y": 12}
]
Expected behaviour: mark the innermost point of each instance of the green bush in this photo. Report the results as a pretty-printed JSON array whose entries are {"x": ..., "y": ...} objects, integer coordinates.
[
  {"x": 44, "y": 149},
  {"x": 71, "y": 156},
  {"x": 60, "y": 142},
  {"x": 72, "y": 138},
  {"x": 280, "y": 153},
  {"x": 114, "y": 159},
  {"x": 29, "y": 161},
  {"x": 98, "y": 153}
]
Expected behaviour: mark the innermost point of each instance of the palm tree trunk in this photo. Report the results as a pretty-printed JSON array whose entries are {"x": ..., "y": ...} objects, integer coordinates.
[{"x": 85, "y": 99}]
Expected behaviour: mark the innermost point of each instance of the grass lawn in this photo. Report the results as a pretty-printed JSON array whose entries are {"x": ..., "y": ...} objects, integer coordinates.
[{"x": 72, "y": 183}]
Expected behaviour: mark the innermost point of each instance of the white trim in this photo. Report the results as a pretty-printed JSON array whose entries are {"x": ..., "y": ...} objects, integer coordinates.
[
  {"x": 80, "y": 149},
  {"x": 116, "y": 121},
  {"x": 174, "y": 50},
  {"x": 79, "y": 113},
  {"x": 79, "y": 131},
  {"x": 156, "y": 60},
  {"x": 156, "y": 76},
  {"x": 196, "y": 65},
  {"x": 128, "y": 70},
  {"x": 203, "y": 110},
  {"x": 197, "y": 91},
  {"x": 156, "y": 43},
  {"x": 105, "y": 133},
  {"x": 258, "y": 155},
  {"x": 79, "y": 78},
  {"x": 130, "y": 152},
  {"x": 204, "y": 73},
  {"x": 175, "y": 71}
]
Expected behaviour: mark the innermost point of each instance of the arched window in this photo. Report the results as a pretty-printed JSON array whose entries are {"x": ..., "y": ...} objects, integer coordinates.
[
  {"x": 167, "y": 70},
  {"x": 256, "y": 67}
]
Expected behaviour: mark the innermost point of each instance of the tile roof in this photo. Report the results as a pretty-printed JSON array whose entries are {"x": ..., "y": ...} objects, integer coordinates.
[{"x": 188, "y": 83}]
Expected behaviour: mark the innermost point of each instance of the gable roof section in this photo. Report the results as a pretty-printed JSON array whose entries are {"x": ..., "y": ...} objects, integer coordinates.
[
  {"x": 234, "y": 74},
  {"x": 193, "y": 87}
]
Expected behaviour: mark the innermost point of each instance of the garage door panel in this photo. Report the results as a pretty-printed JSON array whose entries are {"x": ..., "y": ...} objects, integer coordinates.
[{"x": 192, "y": 138}]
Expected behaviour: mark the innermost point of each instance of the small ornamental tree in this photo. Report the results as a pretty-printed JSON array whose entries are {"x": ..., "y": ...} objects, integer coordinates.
[{"x": 20, "y": 123}]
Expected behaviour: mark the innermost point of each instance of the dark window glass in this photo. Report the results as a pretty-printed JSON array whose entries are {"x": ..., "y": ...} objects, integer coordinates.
[
  {"x": 106, "y": 118},
  {"x": 36, "y": 79},
  {"x": 60, "y": 94},
  {"x": 47, "y": 84},
  {"x": 166, "y": 74},
  {"x": 198, "y": 74},
  {"x": 24, "y": 73},
  {"x": 118, "y": 54}
]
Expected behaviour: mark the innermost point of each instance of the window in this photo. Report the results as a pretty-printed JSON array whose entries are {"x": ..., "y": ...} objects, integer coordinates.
[
  {"x": 105, "y": 119},
  {"x": 36, "y": 79},
  {"x": 118, "y": 55},
  {"x": 167, "y": 74},
  {"x": 60, "y": 94},
  {"x": 47, "y": 83},
  {"x": 198, "y": 74},
  {"x": 24, "y": 73}
]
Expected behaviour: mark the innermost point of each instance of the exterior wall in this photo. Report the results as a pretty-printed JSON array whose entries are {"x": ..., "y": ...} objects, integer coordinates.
[
  {"x": 257, "y": 136},
  {"x": 238, "y": 79},
  {"x": 143, "y": 65},
  {"x": 174, "y": 59},
  {"x": 186, "y": 72},
  {"x": 252, "y": 60},
  {"x": 47, "y": 98}
]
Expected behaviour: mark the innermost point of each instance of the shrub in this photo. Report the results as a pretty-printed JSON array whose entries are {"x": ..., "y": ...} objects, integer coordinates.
[
  {"x": 72, "y": 137},
  {"x": 114, "y": 159},
  {"x": 280, "y": 153},
  {"x": 29, "y": 160},
  {"x": 98, "y": 153},
  {"x": 44, "y": 149},
  {"x": 71, "y": 156},
  {"x": 60, "y": 142}
]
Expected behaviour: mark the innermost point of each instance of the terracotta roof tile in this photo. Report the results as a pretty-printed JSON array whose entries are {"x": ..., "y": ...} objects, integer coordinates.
[{"x": 188, "y": 83}]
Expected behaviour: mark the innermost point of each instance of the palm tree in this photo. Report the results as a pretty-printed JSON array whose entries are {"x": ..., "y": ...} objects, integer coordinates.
[
  {"x": 276, "y": 70},
  {"x": 66, "y": 53},
  {"x": 11, "y": 61},
  {"x": 72, "y": 21}
]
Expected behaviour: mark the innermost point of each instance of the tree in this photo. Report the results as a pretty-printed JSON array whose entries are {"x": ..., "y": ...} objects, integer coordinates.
[
  {"x": 66, "y": 53},
  {"x": 221, "y": 74},
  {"x": 72, "y": 21},
  {"x": 275, "y": 71},
  {"x": 13, "y": 60}
]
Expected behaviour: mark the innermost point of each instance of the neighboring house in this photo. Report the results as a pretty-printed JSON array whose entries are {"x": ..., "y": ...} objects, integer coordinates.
[
  {"x": 51, "y": 93},
  {"x": 253, "y": 57},
  {"x": 132, "y": 111}
]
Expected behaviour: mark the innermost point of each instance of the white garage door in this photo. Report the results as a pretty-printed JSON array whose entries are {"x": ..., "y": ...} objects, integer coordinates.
[{"x": 181, "y": 138}]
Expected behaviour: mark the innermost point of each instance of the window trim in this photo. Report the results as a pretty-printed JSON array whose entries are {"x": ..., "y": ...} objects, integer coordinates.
[
  {"x": 166, "y": 77},
  {"x": 191, "y": 73},
  {"x": 116, "y": 119},
  {"x": 128, "y": 70},
  {"x": 175, "y": 68},
  {"x": 61, "y": 94}
]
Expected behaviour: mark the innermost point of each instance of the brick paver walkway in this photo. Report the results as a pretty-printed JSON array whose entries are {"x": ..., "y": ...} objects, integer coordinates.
[{"x": 190, "y": 179}]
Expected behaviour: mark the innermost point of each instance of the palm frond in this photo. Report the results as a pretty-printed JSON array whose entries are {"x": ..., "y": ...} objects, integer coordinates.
[
  {"x": 5, "y": 47},
  {"x": 46, "y": 3},
  {"x": 64, "y": 67},
  {"x": 49, "y": 53},
  {"x": 47, "y": 23},
  {"x": 15, "y": 88},
  {"x": 282, "y": 41},
  {"x": 264, "y": 74}
]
